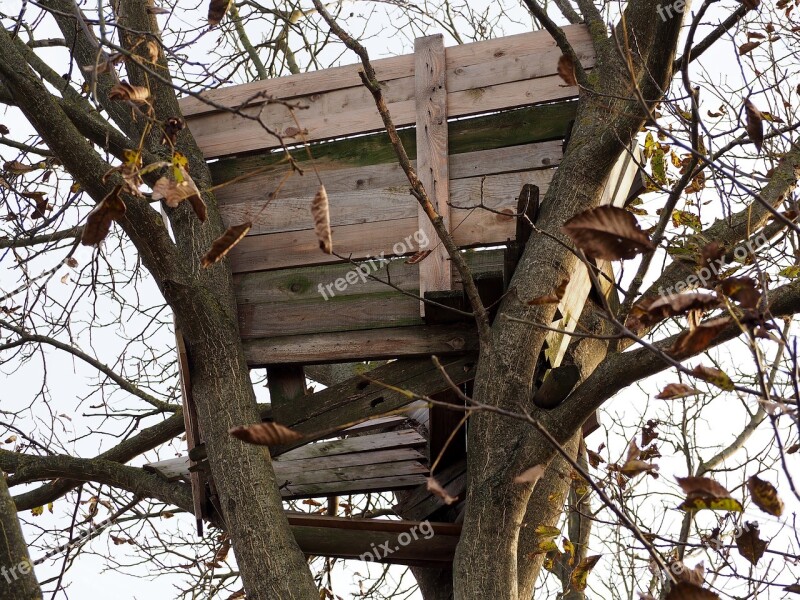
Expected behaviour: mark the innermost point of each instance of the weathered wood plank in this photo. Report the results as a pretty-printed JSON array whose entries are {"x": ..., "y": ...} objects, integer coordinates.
[
  {"x": 371, "y": 344},
  {"x": 615, "y": 193},
  {"x": 407, "y": 438},
  {"x": 221, "y": 134},
  {"x": 302, "y": 284},
  {"x": 297, "y": 477},
  {"x": 510, "y": 128},
  {"x": 383, "y": 188},
  {"x": 471, "y": 226},
  {"x": 355, "y": 399},
  {"x": 438, "y": 551},
  {"x": 179, "y": 468},
  {"x": 361, "y": 486},
  {"x": 510, "y": 57},
  {"x": 432, "y": 159}
]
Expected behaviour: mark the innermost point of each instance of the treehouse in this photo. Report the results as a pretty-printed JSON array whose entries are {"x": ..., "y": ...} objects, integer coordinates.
[{"x": 485, "y": 127}]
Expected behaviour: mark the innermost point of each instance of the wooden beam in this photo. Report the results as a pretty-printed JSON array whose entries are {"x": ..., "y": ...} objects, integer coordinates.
[
  {"x": 372, "y": 344},
  {"x": 483, "y": 82},
  {"x": 432, "y": 160},
  {"x": 338, "y": 537},
  {"x": 286, "y": 384},
  {"x": 337, "y": 407}
]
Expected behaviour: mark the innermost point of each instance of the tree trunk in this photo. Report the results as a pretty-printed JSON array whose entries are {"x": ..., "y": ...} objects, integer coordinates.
[
  {"x": 270, "y": 561},
  {"x": 609, "y": 116},
  {"x": 17, "y": 579}
]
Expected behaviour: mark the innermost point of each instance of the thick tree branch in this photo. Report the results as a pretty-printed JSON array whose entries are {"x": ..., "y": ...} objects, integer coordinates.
[{"x": 145, "y": 440}]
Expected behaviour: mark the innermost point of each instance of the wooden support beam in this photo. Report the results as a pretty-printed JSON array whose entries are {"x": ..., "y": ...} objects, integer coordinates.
[
  {"x": 427, "y": 544},
  {"x": 286, "y": 384},
  {"x": 432, "y": 159},
  {"x": 191, "y": 423},
  {"x": 339, "y": 406}
]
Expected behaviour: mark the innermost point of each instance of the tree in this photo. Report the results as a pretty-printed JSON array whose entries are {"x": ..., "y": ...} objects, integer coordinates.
[{"x": 648, "y": 76}]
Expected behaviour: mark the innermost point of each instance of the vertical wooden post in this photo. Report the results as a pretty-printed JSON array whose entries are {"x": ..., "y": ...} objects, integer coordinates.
[
  {"x": 432, "y": 157},
  {"x": 193, "y": 436},
  {"x": 286, "y": 383}
]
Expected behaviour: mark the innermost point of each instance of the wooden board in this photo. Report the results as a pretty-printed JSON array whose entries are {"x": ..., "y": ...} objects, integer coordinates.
[
  {"x": 470, "y": 224},
  {"x": 432, "y": 160},
  {"x": 372, "y": 344},
  {"x": 533, "y": 124},
  {"x": 431, "y": 544},
  {"x": 489, "y": 76}
]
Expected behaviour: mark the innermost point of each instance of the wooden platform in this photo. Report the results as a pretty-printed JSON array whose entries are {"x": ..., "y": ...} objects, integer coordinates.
[
  {"x": 518, "y": 112},
  {"x": 484, "y": 124}
]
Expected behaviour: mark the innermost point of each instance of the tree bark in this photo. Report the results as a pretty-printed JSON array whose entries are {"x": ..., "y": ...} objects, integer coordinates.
[
  {"x": 17, "y": 579},
  {"x": 270, "y": 561},
  {"x": 608, "y": 118}
]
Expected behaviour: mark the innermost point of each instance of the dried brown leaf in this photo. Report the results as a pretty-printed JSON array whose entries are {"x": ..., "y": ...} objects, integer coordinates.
[
  {"x": 697, "y": 339},
  {"x": 755, "y": 124},
  {"x": 607, "y": 232},
  {"x": 129, "y": 93},
  {"x": 684, "y": 590},
  {"x": 713, "y": 376},
  {"x": 418, "y": 257},
  {"x": 217, "y": 10},
  {"x": 748, "y": 47},
  {"x": 322, "y": 220},
  {"x": 98, "y": 222},
  {"x": 223, "y": 244},
  {"x": 742, "y": 289},
  {"x": 553, "y": 298},
  {"x": 566, "y": 70},
  {"x": 265, "y": 434},
  {"x": 749, "y": 544},
  {"x": 580, "y": 576},
  {"x": 765, "y": 496},
  {"x": 41, "y": 204},
  {"x": 673, "y": 391}
]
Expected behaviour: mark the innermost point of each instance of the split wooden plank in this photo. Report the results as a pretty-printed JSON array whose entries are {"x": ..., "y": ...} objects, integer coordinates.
[
  {"x": 407, "y": 438},
  {"x": 463, "y": 62},
  {"x": 370, "y": 344},
  {"x": 192, "y": 429},
  {"x": 432, "y": 161},
  {"x": 340, "y": 405},
  {"x": 360, "y": 486},
  {"x": 618, "y": 184}
]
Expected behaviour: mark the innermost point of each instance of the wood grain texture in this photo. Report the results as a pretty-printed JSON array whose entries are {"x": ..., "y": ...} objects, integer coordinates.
[
  {"x": 371, "y": 344},
  {"x": 432, "y": 159},
  {"x": 480, "y": 77},
  {"x": 471, "y": 225}
]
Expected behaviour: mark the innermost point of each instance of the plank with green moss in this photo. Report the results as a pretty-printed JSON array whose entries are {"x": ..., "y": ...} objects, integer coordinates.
[{"x": 509, "y": 128}]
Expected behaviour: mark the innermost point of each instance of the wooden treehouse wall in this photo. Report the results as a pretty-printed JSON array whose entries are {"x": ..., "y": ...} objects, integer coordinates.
[{"x": 479, "y": 121}]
